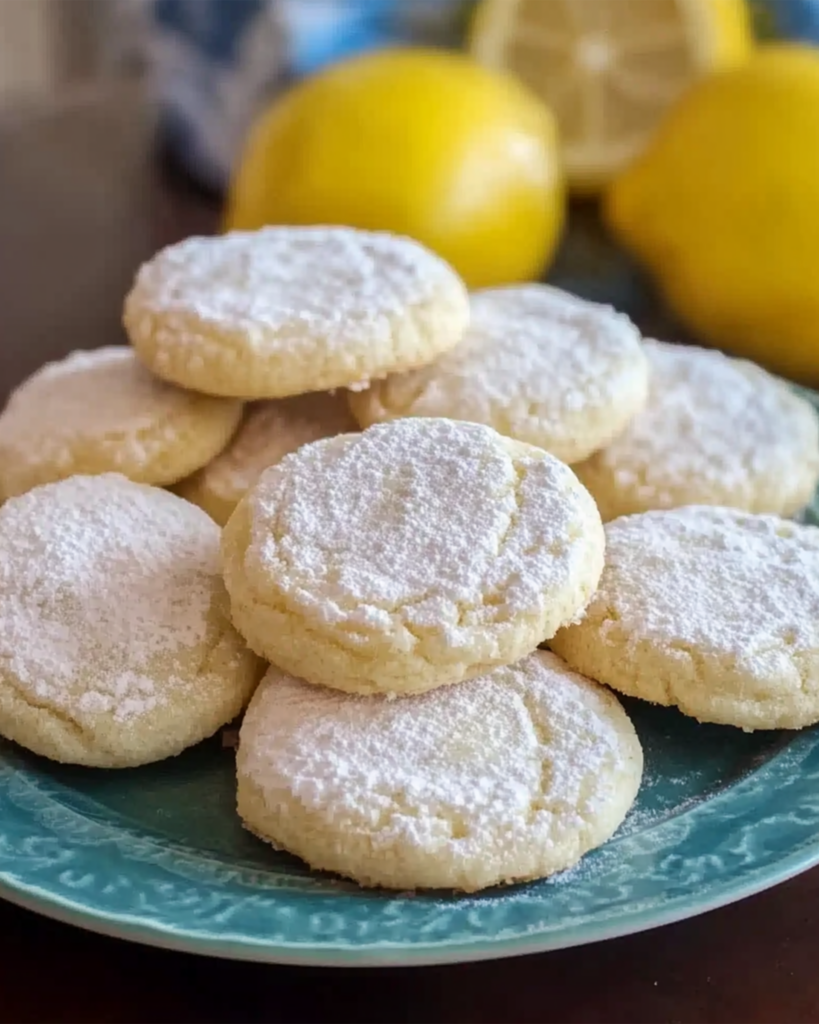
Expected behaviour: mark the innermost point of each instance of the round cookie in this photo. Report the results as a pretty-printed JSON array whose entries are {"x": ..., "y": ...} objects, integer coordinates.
[
  {"x": 101, "y": 411},
  {"x": 537, "y": 364},
  {"x": 508, "y": 777},
  {"x": 284, "y": 310},
  {"x": 269, "y": 432},
  {"x": 715, "y": 431},
  {"x": 418, "y": 553},
  {"x": 115, "y": 644},
  {"x": 710, "y": 609}
]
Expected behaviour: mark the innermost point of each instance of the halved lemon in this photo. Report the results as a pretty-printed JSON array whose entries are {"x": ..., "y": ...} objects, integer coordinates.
[{"x": 609, "y": 69}]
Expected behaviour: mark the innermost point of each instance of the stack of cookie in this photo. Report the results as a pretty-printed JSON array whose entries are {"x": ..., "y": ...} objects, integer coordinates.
[
  {"x": 390, "y": 459},
  {"x": 423, "y": 559},
  {"x": 426, "y": 558}
]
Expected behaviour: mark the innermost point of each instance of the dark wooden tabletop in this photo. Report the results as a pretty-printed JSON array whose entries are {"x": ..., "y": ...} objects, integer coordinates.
[{"x": 83, "y": 199}]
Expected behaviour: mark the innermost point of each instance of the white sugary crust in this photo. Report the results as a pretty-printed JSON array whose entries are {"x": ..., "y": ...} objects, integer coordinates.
[
  {"x": 101, "y": 411},
  {"x": 417, "y": 553},
  {"x": 270, "y": 431},
  {"x": 537, "y": 364},
  {"x": 710, "y": 609},
  {"x": 285, "y": 310},
  {"x": 115, "y": 645},
  {"x": 716, "y": 431},
  {"x": 511, "y": 776}
]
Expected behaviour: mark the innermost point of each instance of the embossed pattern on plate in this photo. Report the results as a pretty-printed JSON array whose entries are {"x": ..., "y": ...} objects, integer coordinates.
[{"x": 157, "y": 854}]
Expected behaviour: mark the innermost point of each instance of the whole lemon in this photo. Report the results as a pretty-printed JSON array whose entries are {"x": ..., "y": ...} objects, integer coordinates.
[
  {"x": 420, "y": 142},
  {"x": 724, "y": 209}
]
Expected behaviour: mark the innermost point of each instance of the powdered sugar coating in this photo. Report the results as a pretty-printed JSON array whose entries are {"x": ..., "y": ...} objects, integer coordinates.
[
  {"x": 430, "y": 536},
  {"x": 340, "y": 304},
  {"x": 111, "y": 606},
  {"x": 716, "y": 431},
  {"x": 512, "y": 775},
  {"x": 274, "y": 429},
  {"x": 270, "y": 431},
  {"x": 93, "y": 393},
  {"x": 712, "y": 609},
  {"x": 420, "y": 524},
  {"x": 102, "y": 410},
  {"x": 335, "y": 278},
  {"x": 537, "y": 364}
]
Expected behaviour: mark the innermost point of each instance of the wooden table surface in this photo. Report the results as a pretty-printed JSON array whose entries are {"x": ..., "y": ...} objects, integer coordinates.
[{"x": 82, "y": 201}]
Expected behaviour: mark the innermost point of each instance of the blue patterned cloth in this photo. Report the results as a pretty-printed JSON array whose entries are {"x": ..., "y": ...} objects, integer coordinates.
[
  {"x": 216, "y": 62},
  {"x": 787, "y": 19}
]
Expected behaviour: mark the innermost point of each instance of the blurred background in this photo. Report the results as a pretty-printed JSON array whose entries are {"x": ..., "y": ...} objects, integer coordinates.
[{"x": 660, "y": 155}]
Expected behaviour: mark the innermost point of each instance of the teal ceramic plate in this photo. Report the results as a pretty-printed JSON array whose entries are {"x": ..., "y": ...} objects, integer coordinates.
[{"x": 157, "y": 854}]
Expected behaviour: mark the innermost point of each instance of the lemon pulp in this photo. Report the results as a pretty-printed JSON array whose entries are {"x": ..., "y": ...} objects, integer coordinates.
[{"x": 609, "y": 69}]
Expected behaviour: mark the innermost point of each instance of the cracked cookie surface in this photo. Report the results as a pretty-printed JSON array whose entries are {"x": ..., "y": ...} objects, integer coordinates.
[
  {"x": 285, "y": 310},
  {"x": 712, "y": 610},
  {"x": 417, "y": 553},
  {"x": 715, "y": 431},
  {"x": 537, "y": 364},
  {"x": 115, "y": 644},
  {"x": 507, "y": 777}
]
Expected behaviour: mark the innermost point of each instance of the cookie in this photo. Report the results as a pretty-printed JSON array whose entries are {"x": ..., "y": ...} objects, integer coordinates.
[
  {"x": 508, "y": 777},
  {"x": 269, "y": 432},
  {"x": 418, "y": 553},
  {"x": 285, "y": 310},
  {"x": 101, "y": 411},
  {"x": 537, "y": 364},
  {"x": 715, "y": 431},
  {"x": 712, "y": 610},
  {"x": 115, "y": 644}
]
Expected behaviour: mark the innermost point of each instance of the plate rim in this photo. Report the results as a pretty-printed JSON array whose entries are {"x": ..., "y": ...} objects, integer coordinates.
[
  {"x": 129, "y": 929},
  {"x": 736, "y": 885}
]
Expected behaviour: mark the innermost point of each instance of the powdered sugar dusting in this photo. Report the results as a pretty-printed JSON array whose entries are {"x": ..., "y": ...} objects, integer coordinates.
[
  {"x": 85, "y": 360},
  {"x": 712, "y": 424},
  {"x": 528, "y": 754},
  {"x": 422, "y": 524},
  {"x": 270, "y": 431},
  {"x": 90, "y": 395},
  {"x": 282, "y": 284},
  {"x": 103, "y": 583},
  {"x": 714, "y": 582},
  {"x": 532, "y": 355}
]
